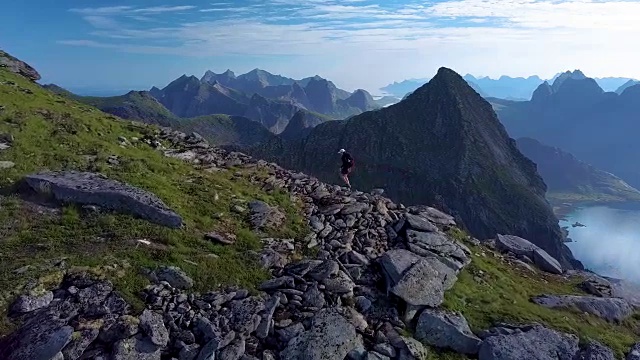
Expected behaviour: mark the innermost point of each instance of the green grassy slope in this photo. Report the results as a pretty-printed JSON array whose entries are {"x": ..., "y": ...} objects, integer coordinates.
[
  {"x": 55, "y": 133},
  {"x": 492, "y": 290}
]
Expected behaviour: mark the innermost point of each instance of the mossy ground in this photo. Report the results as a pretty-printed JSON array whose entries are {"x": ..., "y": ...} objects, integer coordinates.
[
  {"x": 490, "y": 290},
  {"x": 55, "y": 133}
]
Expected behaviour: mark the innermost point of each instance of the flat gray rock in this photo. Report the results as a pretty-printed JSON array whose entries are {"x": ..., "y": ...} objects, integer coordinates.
[
  {"x": 265, "y": 216},
  {"x": 445, "y": 329},
  {"x": 40, "y": 337},
  {"x": 419, "y": 223},
  {"x": 330, "y": 336},
  {"x": 523, "y": 247},
  {"x": 610, "y": 309},
  {"x": 174, "y": 276},
  {"x": 515, "y": 244},
  {"x": 424, "y": 284},
  {"x": 434, "y": 215},
  {"x": 546, "y": 262},
  {"x": 95, "y": 189},
  {"x": 597, "y": 285},
  {"x": 531, "y": 343},
  {"x": 396, "y": 262},
  {"x": 440, "y": 245}
]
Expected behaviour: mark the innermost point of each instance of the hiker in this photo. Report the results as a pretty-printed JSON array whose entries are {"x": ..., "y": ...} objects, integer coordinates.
[{"x": 347, "y": 166}]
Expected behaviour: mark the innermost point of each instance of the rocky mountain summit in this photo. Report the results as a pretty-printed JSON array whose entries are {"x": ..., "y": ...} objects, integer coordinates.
[{"x": 442, "y": 145}]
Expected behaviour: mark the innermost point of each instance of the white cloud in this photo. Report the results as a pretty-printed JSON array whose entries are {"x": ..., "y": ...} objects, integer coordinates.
[
  {"x": 163, "y": 9},
  {"x": 371, "y": 45}
]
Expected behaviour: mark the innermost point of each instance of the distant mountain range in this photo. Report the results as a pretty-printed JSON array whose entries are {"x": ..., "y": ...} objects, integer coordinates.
[
  {"x": 270, "y": 101},
  {"x": 575, "y": 114},
  {"x": 505, "y": 87}
]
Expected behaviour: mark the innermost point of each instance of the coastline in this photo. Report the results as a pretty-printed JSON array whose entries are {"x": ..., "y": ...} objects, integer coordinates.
[{"x": 563, "y": 208}]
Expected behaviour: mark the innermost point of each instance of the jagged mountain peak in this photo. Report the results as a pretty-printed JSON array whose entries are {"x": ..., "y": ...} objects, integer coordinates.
[{"x": 575, "y": 75}]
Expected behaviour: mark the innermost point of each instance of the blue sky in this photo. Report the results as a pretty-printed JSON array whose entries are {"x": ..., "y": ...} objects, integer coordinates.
[{"x": 121, "y": 44}]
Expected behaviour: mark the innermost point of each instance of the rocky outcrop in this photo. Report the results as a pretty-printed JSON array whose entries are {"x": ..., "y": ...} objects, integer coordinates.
[
  {"x": 446, "y": 330},
  {"x": 524, "y": 248},
  {"x": 96, "y": 189},
  {"x": 17, "y": 66},
  {"x": 610, "y": 309},
  {"x": 533, "y": 342}
]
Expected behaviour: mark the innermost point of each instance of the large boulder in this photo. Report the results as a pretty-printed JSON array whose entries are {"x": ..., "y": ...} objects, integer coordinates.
[
  {"x": 425, "y": 282},
  {"x": 330, "y": 336},
  {"x": 42, "y": 336},
  {"x": 265, "y": 216},
  {"x": 435, "y": 244},
  {"x": 396, "y": 262},
  {"x": 610, "y": 309},
  {"x": 533, "y": 342},
  {"x": 444, "y": 329},
  {"x": 17, "y": 66},
  {"x": 95, "y": 189},
  {"x": 523, "y": 247}
]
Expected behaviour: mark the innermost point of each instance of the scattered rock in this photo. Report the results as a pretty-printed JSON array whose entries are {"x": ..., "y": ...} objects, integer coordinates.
[
  {"x": 95, "y": 189},
  {"x": 443, "y": 329},
  {"x": 610, "y": 309},
  {"x": 28, "y": 303},
  {"x": 597, "y": 285},
  {"x": 152, "y": 324},
  {"x": 220, "y": 239},
  {"x": 7, "y": 164},
  {"x": 522, "y": 247},
  {"x": 425, "y": 282},
  {"x": 528, "y": 342},
  {"x": 174, "y": 276},
  {"x": 330, "y": 336},
  {"x": 264, "y": 216}
]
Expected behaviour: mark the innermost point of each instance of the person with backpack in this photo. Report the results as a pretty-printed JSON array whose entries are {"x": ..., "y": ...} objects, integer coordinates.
[{"x": 347, "y": 165}]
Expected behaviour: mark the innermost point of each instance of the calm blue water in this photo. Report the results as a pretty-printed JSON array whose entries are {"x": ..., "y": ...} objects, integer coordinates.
[{"x": 610, "y": 242}]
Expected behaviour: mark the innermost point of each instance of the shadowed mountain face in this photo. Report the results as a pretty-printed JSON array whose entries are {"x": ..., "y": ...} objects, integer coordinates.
[
  {"x": 301, "y": 125},
  {"x": 576, "y": 115},
  {"x": 442, "y": 145},
  {"x": 569, "y": 179}
]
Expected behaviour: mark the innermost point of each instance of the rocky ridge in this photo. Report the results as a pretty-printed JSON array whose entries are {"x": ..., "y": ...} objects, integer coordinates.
[{"x": 378, "y": 270}]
